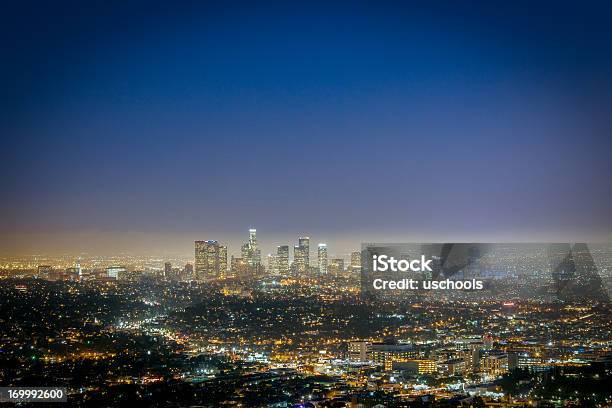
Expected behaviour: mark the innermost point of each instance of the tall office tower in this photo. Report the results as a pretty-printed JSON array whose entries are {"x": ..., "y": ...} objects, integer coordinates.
[
  {"x": 356, "y": 261},
  {"x": 272, "y": 267},
  {"x": 256, "y": 253},
  {"x": 336, "y": 266},
  {"x": 239, "y": 267},
  {"x": 282, "y": 260},
  {"x": 304, "y": 243},
  {"x": 301, "y": 254},
  {"x": 210, "y": 257},
  {"x": 201, "y": 259},
  {"x": 298, "y": 259},
  {"x": 250, "y": 250},
  {"x": 322, "y": 258},
  {"x": 245, "y": 252},
  {"x": 167, "y": 270},
  {"x": 222, "y": 261}
]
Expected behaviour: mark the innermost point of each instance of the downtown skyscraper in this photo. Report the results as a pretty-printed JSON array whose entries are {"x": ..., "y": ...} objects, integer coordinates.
[
  {"x": 210, "y": 260},
  {"x": 356, "y": 261},
  {"x": 301, "y": 254},
  {"x": 272, "y": 265},
  {"x": 282, "y": 260},
  {"x": 322, "y": 255},
  {"x": 250, "y": 250}
]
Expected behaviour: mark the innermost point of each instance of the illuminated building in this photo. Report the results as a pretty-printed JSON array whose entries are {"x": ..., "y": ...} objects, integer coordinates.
[
  {"x": 201, "y": 259},
  {"x": 298, "y": 259},
  {"x": 301, "y": 254},
  {"x": 167, "y": 270},
  {"x": 115, "y": 272},
  {"x": 524, "y": 359},
  {"x": 250, "y": 251},
  {"x": 416, "y": 366},
  {"x": 470, "y": 348},
  {"x": 359, "y": 351},
  {"x": 256, "y": 260},
  {"x": 356, "y": 261},
  {"x": 454, "y": 366},
  {"x": 336, "y": 266},
  {"x": 210, "y": 260},
  {"x": 222, "y": 261},
  {"x": 387, "y": 354},
  {"x": 494, "y": 364},
  {"x": 272, "y": 268},
  {"x": 426, "y": 366},
  {"x": 282, "y": 259},
  {"x": 322, "y": 258},
  {"x": 239, "y": 267}
]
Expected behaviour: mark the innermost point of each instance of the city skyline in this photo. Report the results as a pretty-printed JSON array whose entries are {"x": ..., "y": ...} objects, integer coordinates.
[
  {"x": 182, "y": 246},
  {"x": 537, "y": 334},
  {"x": 319, "y": 204}
]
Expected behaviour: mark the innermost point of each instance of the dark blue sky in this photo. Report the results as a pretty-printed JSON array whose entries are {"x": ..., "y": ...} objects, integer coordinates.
[{"x": 142, "y": 126}]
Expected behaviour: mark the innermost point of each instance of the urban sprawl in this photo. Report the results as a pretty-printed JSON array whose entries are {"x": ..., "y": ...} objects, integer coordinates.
[{"x": 298, "y": 331}]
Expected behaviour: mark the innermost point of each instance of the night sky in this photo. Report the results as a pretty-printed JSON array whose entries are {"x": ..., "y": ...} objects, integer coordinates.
[{"x": 141, "y": 126}]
